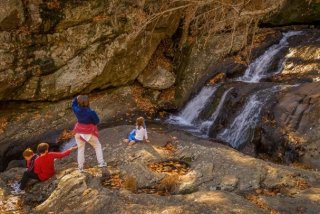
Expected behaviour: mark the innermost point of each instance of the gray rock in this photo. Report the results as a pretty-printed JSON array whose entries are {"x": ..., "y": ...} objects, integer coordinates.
[{"x": 159, "y": 79}]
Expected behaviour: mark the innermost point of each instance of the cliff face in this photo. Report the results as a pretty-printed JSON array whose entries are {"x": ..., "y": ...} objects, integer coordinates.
[{"x": 55, "y": 49}]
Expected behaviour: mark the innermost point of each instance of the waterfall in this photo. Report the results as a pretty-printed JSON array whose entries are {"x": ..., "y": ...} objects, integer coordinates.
[
  {"x": 259, "y": 67},
  {"x": 192, "y": 110},
  {"x": 244, "y": 124},
  {"x": 205, "y": 126}
]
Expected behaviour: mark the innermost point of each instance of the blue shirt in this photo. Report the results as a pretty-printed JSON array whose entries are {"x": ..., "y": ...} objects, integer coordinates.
[{"x": 84, "y": 114}]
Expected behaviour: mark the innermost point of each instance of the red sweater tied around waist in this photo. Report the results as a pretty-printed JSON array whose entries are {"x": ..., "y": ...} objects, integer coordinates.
[{"x": 81, "y": 128}]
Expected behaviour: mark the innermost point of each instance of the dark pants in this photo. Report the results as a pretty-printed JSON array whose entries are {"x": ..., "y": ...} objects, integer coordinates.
[{"x": 25, "y": 178}]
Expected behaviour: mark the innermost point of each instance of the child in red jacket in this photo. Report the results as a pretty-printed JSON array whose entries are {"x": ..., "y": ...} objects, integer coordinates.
[{"x": 44, "y": 164}]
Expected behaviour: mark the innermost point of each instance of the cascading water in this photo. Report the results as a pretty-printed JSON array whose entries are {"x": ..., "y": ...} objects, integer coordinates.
[
  {"x": 192, "y": 110},
  {"x": 257, "y": 70},
  {"x": 205, "y": 126},
  {"x": 241, "y": 129}
]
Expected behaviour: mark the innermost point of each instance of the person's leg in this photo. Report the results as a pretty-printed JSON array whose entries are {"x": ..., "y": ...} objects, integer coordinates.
[
  {"x": 25, "y": 178},
  {"x": 94, "y": 141},
  {"x": 81, "y": 147}
]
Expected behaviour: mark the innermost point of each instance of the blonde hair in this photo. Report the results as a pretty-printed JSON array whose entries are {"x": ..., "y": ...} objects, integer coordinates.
[
  {"x": 27, "y": 153},
  {"x": 140, "y": 122}
]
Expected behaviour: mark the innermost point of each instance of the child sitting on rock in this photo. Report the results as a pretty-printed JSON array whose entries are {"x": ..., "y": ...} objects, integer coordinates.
[
  {"x": 86, "y": 130},
  {"x": 139, "y": 134},
  {"x": 30, "y": 158},
  {"x": 44, "y": 164}
]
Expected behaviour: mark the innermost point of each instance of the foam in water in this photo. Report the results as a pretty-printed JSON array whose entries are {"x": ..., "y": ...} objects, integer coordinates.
[
  {"x": 192, "y": 110},
  {"x": 257, "y": 69},
  {"x": 241, "y": 129},
  {"x": 205, "y": 126}
]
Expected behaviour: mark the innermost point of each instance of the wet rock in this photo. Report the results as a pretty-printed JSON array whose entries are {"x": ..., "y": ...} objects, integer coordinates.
[
  {"x": 159, "y": 79},
  {"x": 296, "y": 114},
  {"x": 196, "y": 70}
]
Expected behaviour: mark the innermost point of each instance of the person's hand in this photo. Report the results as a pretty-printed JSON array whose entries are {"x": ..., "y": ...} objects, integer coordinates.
[
  {"x": 147, "y": 141},
  {"x": 73, "y": 148}
]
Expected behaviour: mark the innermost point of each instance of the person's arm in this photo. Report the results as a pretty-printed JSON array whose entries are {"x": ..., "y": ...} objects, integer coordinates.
[
  {"x": 37, "y": 168},
  {"x": 60, "y": 154},
  {"x": 94, "y": 117},
  {"x": 145, "y": 134},
  {"x": 74, "y": 105}
]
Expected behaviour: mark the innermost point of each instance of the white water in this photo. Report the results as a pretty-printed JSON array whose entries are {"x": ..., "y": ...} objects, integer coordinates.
[
  {"x": 241, "y": 129},
  {"x": 192, "y": 110},
  {"x": 67, "y": 145},
  {"x": 205, "y": 126},
  {"x": 257, "y": 69}
]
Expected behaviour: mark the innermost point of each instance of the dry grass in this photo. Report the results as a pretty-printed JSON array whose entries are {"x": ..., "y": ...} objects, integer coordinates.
[
  {"x": 169, "y": 184},
  {"x": 130, "y": 183}
]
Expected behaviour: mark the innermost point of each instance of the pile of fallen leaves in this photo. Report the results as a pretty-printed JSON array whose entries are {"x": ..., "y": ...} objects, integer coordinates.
[
  {"x": 65, "y": 136},
  {"x": 301, "y": 184},
  {"x": 171, "y": 167},
  {"x": 113, "y": 181},
  {"x": 169, "y": 148},
  {"x": 260, "y": 203},
  {"x": 217, "y": 78},
  {"x": 3, "y": 124},
  {"x": 142, "y": 103},
  {"x": 269, "y": 192}
]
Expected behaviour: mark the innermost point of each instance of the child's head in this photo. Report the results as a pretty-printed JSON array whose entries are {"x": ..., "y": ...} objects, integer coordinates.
[
  {"x": 43, "y": 148},
  {"x": 27, "y": 154},
  {"x": 83, "y": 100},
  {"x": 140, "y": 122}
]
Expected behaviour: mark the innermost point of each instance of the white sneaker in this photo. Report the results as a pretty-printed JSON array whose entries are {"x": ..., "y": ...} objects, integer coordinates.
[
  {"x": 18, "y": 192},
  {"x": 103, "y": 164},
  {"x": 15, "y": 185}
]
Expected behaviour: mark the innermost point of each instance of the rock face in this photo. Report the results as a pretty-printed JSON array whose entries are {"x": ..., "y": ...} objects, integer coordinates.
[
  {"x": 75, "y": 47},
  {"x": 297, "y": 11},
  {"x": 229, "y": 182},
  {"x": 159, "y": 79},
  {"x": 12, "y": 15}
]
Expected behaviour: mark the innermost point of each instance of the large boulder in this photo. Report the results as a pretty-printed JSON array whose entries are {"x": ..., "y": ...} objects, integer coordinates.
[
  {"x": 159, "y": 78},
  {"x": 69, "y": 48}
]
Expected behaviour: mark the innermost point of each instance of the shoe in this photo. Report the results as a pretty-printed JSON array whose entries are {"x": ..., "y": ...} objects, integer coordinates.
[
  {"x": 15, "y": 185},
  {"x": 80, "y": 169},
  {"x": 18, "y": 192},
  {"x": 104, "y": 164}
]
